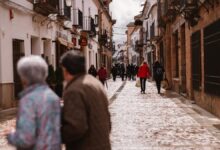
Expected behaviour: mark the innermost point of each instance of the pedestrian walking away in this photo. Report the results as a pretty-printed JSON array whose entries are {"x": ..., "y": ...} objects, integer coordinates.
[
  {"x": 114, "y": 72},
  {"x": 132, "y": 68},
  {"x": 158, "y": 75},
  {"x": 92, "y": 71},
  {"x": 85, "y": 118},
  {"x": 128, "y": 71},
  {"x": 102, "y": 73},
  {"x": 122, "y": 70},
  {"x": 143, "y": 74},
  {"x": 38, "y": 120}
]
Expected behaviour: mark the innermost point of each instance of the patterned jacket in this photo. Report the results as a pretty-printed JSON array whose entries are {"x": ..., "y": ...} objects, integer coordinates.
[{"x": 38, "y": 120}]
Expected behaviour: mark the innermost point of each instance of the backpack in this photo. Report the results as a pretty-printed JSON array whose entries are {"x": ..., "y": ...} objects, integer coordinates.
[{"x": 159, "y": 71}]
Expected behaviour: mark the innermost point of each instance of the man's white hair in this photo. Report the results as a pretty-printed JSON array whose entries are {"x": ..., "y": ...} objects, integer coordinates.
[{"x": 32, "y": 69}]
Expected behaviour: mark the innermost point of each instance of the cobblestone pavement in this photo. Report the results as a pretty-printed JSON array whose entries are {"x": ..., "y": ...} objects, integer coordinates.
[{"x": 152, "y": 121}]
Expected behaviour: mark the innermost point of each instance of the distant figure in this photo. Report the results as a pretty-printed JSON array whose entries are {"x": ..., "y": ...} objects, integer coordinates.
[
  {"x": 158, "y": 75},
  {"x": 128, "y": 72},
  {"x": 114, "y": 72},
  {"x": 38, "y": 120},
  {"x": 132, "y": 68},
  {"x": 143, "y": 74},
  {"x": 92, "y": 71},
  {"x": 102, "y": 73},
  {"x": 122, "y": 71},
  {"x": 86, "y": 121}
]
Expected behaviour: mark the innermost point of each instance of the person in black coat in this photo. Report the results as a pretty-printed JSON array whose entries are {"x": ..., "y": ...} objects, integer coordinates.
[
  {"x": 114, "y": 73},
  {"x": 158, "y": 74},
  {"x": 122, "y": 70},
  {"x": 92, "y": 71},
  {"x": 132, "y": 72}
]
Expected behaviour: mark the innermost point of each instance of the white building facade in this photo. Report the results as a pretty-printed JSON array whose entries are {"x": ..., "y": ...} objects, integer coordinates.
[
  {"x": 150, "y": 32},
  {"x": 133, "y": 51},
  {"x": 47, "y": 28}
]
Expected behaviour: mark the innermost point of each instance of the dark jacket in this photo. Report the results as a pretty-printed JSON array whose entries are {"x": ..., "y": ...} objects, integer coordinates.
[
  {"x": 158, "y": 72},
  {"x": 86, "y": 119},
  {"x": 92, "y": 71},
  {"x": 102, "y": 73},
  {"x": 114, "y": 71}
]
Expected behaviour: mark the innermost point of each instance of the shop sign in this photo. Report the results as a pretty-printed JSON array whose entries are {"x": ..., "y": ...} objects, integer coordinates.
[{"x": 83, "y": 41}]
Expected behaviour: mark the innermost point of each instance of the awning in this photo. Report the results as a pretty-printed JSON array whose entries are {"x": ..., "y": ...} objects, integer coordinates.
[{"x": 65, "y": 43}]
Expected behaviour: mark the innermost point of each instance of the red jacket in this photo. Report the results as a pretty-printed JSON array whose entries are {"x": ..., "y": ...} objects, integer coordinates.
[
  {"x": 143, "y": 71},
  {"x": 102, "y": 73}
]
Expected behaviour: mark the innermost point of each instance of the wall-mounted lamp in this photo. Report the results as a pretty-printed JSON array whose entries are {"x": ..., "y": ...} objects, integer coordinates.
[{"x": 69, "y": 3}]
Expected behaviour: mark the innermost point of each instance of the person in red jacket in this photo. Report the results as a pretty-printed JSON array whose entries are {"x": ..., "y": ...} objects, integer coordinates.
[
  {"x": 143, "y": 74},
  {"x": 102, "y": 73}
]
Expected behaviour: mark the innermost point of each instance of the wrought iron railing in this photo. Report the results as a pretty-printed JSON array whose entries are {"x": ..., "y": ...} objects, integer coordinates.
[
  {"x": 46, "y": 7},
  {"x": 77, "y": 18}
]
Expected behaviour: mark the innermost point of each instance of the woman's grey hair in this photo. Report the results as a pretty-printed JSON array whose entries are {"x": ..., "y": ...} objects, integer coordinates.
[{"x": 32, "y": 69}]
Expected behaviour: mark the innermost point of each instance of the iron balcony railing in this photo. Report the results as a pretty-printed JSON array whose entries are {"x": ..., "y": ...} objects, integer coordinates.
[
  {"x": 89, "y": 25},
  {"x": 46, "y": 7},
  {"x": 77, "y": 18},
  {"x": 65, "y": 12}
]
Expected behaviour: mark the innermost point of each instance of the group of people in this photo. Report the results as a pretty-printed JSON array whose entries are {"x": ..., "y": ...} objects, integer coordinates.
[
  {"x": 129, "y": 72},
  {"x": 82, "y": 122},
  {"x": 101, "y": 73},
  {"x": 144, "y": 73}
]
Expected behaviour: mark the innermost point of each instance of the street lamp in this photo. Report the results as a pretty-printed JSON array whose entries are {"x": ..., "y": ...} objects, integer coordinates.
[{"x": 69, "y": 3}]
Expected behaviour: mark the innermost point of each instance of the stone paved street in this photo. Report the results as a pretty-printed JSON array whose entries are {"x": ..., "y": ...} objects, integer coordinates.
[{"x": 152, "y": 121}]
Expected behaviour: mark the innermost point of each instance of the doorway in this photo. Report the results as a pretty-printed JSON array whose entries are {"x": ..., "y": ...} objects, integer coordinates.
[{"x": 18, "y": 52}]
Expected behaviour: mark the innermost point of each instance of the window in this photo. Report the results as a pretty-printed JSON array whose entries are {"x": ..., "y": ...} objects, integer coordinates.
[
  {"x": 212, "y": 60},
  {"x": 176, "y": 55},
  {"x": 152, "y": 31},
  {"x": 147, "y": 34},
  {"x": 196, "y": 60}
]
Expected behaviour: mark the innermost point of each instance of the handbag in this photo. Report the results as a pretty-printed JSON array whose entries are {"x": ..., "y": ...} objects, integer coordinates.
[
  {"x": 138, "y": 83},
  {"x": 165, "y": 83}
]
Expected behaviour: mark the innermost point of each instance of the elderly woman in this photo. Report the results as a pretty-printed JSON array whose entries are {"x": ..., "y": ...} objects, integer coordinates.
[{"x": 38, "y": 121}]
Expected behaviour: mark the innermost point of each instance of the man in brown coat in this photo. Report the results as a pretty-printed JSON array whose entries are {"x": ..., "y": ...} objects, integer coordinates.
[{"x": 86, "y": 119}]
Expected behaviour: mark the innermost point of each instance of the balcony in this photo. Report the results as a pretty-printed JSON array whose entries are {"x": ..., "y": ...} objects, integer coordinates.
[
  {"x": 89, "y": 26},
  {"x": 138, "y": 45},
  {"x": 168, "y": 11},
  {"x": 46, "y": 7},
  {"x": 188, "y": 5},
  {"x": 77, "y": 18},
  {"x": 93, "y": 28},
  {"x": 65, "y": 13},
  {"x": 103, "y": 39}
]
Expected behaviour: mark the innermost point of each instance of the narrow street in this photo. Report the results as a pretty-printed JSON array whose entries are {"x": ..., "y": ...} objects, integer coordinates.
[{"x": 151, "y": 121}]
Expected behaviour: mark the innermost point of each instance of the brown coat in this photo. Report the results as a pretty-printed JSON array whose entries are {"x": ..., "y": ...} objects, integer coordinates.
[{"x": 86, "y": 119}]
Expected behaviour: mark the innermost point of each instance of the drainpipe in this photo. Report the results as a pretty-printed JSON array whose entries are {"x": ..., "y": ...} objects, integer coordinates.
[{"x": 0, "y": 67}]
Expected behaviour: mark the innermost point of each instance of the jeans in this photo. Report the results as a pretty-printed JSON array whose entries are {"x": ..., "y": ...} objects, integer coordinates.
[
  {"x": 143, "y": 84},
  {"x": 158, "y": 83},
  {"x": 114, "y": 77}
]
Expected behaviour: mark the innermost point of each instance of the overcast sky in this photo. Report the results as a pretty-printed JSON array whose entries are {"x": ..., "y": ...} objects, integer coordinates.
[{"x": 124, "y": 11}]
